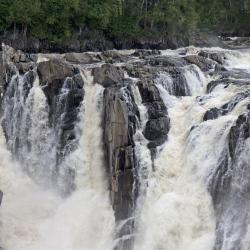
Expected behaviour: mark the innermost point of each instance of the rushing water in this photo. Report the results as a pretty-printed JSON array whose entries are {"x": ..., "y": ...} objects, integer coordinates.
[
  {"x": 175, "y": 209},
  {"x": 33, "y": 217}
]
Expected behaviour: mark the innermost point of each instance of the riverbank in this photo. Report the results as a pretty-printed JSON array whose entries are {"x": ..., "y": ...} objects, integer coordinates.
[{"x": 97, "y": 41}]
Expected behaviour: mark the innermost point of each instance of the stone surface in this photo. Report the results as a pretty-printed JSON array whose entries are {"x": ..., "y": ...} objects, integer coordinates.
[
  {"x": 158, "y": 124},
  {"x": 108, "y": 75},
  {"x": 218, "y": 57},
  {"x": 119, "y": 128},
  {"x": 1, "y": 197},
  {"x": 120, "y": 116},
  {"x": 83, "y": 58},
  {"x": 203, "y": 63},
  {"x": 53, "y": 70}
]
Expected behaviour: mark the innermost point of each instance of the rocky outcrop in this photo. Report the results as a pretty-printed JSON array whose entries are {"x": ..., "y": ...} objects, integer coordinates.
[
  {"x": 62, "y": 85},
  {"x": 1, "y": 197},
  {"x": 239, "y": 133},
  {"x": 120, "y": 117},
  {"x": 230, "y": 184},
  {"x": 205, "y": 64},
  {"x": 97, "y": 41},
  {"x": 158, "y": 124},
  {"x": 108, "y": 75},
  {"x": 83, "y": 58},
  {"x": 53, "y": 70},
  {"x": 215, "y": 112}
]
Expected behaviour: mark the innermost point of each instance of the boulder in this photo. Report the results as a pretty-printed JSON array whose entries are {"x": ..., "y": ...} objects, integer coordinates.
[
  {"x": 212, "y": 114},
  {"x": 83, "y": 58},
  {"x": 1, "y": 197},
  {"x": 111, "y": 56},
  {"x": 119, "y": 121},
  {"x": 203, "y": 63},
  {"x": 156, "y": 129},
  {"x": 240, "y": 131},
  {"x": 54, "y": 69},
  {"x": 108, "y": 75},
  {"x": 165, "y": 61},
  {"x": 141, "y": 53},
  {"x": 218, "y": 57},
  {"x": 158, "y": 124}
]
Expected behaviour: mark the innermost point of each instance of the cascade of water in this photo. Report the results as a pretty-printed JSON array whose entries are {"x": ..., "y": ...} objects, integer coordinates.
[
  {"x": 38, "y": 219},
  {"x": 26, "y": 126},
  {"x": 178, "y": 212},
  {"x": 193, "y": 196}
]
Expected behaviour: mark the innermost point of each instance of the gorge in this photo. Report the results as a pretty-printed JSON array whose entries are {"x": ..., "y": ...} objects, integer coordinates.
[{"x": 125, "y": 150}]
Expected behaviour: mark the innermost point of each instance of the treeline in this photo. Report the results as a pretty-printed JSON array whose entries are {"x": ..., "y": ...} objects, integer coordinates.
[{"x": 58, "y": 19}]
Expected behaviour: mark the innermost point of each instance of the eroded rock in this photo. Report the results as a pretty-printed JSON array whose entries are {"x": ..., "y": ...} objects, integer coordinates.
[
  {"x": 108, "y": 75},
  {"x": 83, "y": 58}
]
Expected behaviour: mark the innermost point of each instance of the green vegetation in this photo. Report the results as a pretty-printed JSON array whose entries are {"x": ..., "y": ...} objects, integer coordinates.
[{"x": 56, "y": 20}]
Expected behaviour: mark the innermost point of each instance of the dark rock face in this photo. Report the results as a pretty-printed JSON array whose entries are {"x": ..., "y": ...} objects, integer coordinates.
[
  {"x": 203, "y": 63},
  {"x": 230, "y": 185},
  {"x": 120, "y": 118},
  {"x": 53, "y": 70},
  {"x": 67, "y": 107},
  {"x": 214, "y": 113},
  {"x": 108, "y": 75},
  {"x": 1, "y": 197},
  {"x": 157, "y": 126},
  {"x": 145, "y": 53},
  {"x": 167, "y": 61},
  {"x": 97, "y": 41},
  {"x": 82, "y": 58},
  {"x": 218, "y": 57},
  {"x": 238, "y": 133},
  {"x": 63, "y": 87}
]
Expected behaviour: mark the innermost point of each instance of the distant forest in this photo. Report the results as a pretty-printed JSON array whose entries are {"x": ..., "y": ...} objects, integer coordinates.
[{"x": 56, "y": 20}]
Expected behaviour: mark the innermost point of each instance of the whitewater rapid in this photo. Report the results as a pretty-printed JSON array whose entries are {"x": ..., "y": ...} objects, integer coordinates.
[
  {"x": 174, "y": 210},
  {"x": 33, "y": 218},
  {"x": 178, "y": 212}
]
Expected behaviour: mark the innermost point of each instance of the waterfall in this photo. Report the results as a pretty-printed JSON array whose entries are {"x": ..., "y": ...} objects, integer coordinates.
[
  {"x": 148, "y": 152},
  {"x": 178, "y": 212},
  {"x": 34, "y": 217}
]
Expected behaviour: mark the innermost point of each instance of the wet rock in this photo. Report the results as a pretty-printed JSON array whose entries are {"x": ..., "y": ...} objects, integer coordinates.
[
  {"x": 156, "y": 109},
  {"x": 179, "y": 86},
  {"x": 108, "y": 75},
  {"x": 145, "y": 53},
  {"x": 218, "y": 57},
  {"x": 165, "y": 61},
  {"x": 66, "y": 106},
  {"x": 149, "y": 91},
  {"x": 219, "y": 68},
  {"x": 25, "y": 67},
  {"x": 156, "y": 129},
  {"x": 63, "y": 87},
  {"x": 83, "y": 58},
  {"x": 54, "y": 70},
  {"x": 120, "y": 120},
  {"x": 2, "y": 80},
  {"x": 240, "y": 131},
  {"x": 1, "y": 197},
  {"x": 212, "y": 114},
  {"x": 112, "y": 56},
  {"x": 158, "y": 124},
  {"x": 203, "y": 63}
]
